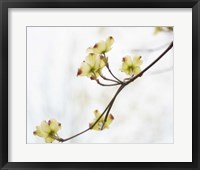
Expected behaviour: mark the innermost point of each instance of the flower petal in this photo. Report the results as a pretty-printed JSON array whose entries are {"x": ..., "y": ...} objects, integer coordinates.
[
  {"x": 39, "y": 132},
  {"x": 109, "y": 42},
  {"x": 127, "y": 60},
  {"x": 157, "y": 30},
  {"x": 124, "y": 67},
  {"x": 136, "y": 70},
  {"x": 137, "y": 61},
  {"x": 84, "y": 70},
  {"x": 54, "y": 125},
  {"x": 109, "y": 120},
  {"x": 102, "y": 62},
  {"x": 49, "y": 139},
  {"x": 99, "y": 124},
  {"x": 127, "y": 69},
  {"x": 91, "y": 59},
  {"x": 45, "y": 127},
  {"x": 97, "y": 114},
  {"x": 100, "y": 47}
]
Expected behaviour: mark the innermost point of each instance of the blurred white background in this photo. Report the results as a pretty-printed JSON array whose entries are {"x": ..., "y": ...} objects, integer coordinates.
[{"x": 143, "y": 110}]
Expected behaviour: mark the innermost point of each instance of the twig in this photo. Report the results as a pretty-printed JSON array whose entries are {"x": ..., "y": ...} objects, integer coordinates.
[
  {"x": 116, "y": 84},
  {"x": 107, "y": 66},
  {"x": 105, "y": 78}
]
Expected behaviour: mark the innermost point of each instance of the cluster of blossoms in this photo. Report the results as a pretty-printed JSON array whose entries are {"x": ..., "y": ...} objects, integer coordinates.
[
  {"x": 131, "y": 66},
  {"x": 162, "y": 29},
  {"x": 48, "y": 130},
  {"x": 96, "y": 60},
  {"x": 99, "y": 123},
  {"x": 91, "y": 66}
]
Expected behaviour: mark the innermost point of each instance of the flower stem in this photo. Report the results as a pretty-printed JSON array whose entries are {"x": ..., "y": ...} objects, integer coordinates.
[
  {"x": 107, "y": 66},
  {"x": 105, "y": 78},
  {"x": 116, "y": 84}
]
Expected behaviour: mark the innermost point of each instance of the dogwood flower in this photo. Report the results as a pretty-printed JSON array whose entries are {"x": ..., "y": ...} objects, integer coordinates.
[
  {"x": 48, "y": 130},
  {"x": 162, "y": 29},
  {"x": 102, "y": 47},
  {"x": 99, "y": 124},
  {"x": 131, "y": 66},
  {"x": 92, "y": 66}
]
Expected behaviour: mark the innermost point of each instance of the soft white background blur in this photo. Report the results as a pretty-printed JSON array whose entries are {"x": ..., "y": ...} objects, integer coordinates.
[{"x": 143, "y": 111}]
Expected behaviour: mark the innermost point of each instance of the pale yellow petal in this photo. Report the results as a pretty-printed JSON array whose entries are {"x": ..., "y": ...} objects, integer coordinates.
[
  {"x": 49, "y": 139},
  {"x": 97, "y": 114},
  {"x": 127, "y": 60},
  {"x": 109, "y": 120},
  {"x": 109, "y": 42},
  {"x": 126, "y": 65},
  {"x": 54, "y": 125},
  {"x": 136, "y": 70},
  {"x": 157, "y": 30},
  {"x": 100, "y": 47},
  {"x": 137, "y": 61},
  {"x": 126, "y": 69},
  {"x": 84, "y": 70},
  {"x": 96, "y": 126},
  {"x": 102, "y": 63},
  {"x": 99, "y": 124},
  {"x": 45, "y": 127},
  {"x": 97, "y": 64},
  {"x": 91, "y": 59},
  {"x": 39, "y": 132}
]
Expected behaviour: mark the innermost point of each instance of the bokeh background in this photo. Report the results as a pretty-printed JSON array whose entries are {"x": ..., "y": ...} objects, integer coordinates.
[{"x": 143, "y": 110}]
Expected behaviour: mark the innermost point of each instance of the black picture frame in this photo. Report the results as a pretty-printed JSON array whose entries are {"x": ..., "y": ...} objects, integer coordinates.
[{"x": 6, "y": 4}]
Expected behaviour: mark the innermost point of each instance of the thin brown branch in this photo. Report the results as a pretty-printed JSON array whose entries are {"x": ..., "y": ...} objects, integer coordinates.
[{"x": 109, "y": 106}]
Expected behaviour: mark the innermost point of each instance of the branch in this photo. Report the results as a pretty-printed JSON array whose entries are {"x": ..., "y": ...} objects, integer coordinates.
[{"x": 109, "y": 106}]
